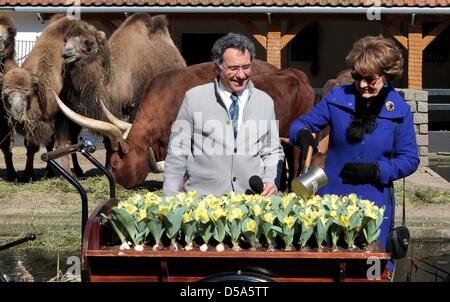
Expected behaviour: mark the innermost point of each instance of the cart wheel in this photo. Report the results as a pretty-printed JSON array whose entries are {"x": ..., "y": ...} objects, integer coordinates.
[{"x": 237, "y": 276}]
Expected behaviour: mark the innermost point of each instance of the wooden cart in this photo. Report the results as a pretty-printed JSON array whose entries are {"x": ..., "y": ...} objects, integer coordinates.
[{"x": 104, "y": 262}]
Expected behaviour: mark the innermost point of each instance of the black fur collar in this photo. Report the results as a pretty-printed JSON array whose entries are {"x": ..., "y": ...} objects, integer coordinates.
[{"x": 365, "y": 117}]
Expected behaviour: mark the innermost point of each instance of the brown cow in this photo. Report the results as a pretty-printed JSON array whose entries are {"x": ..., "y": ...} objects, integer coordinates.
[
  {"x": 7, "y": 62},
  {"x": 149, "y": 135},
  {"x": 28, "y": 98}
]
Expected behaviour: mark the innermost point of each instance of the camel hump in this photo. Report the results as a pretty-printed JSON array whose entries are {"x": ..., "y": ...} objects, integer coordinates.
[
  {"x": 56, "y": 17},
  {"x": 159, "y": 23}
]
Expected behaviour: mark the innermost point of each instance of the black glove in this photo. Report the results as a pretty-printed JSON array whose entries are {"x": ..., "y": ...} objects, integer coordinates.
[
  {"x": 304, "y": 140},
  {"x": 353, "y": 173}
]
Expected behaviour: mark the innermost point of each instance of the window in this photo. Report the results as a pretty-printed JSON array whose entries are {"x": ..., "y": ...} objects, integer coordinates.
[
  {"x": 196, "y": 47},
  {"x": 439, "y": 49},
  {"x": 305, "y": 46}
]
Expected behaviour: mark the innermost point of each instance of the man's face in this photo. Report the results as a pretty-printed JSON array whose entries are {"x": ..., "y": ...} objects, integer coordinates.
[{"x": 235, "y": 69}]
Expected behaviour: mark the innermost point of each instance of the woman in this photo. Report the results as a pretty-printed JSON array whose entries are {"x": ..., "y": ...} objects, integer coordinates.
[{"x": 363, "y": 155}]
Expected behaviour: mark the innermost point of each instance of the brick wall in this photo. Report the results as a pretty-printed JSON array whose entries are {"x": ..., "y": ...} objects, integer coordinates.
[{"x": 418, "y": 100}]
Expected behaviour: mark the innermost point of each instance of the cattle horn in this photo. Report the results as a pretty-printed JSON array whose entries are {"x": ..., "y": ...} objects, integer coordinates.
[
  {"x": 124, "y": 126},
  {"x": 284, "y": 140},
  {"x": 155, "y": 167},
  {"x": 108, "y": 129}
]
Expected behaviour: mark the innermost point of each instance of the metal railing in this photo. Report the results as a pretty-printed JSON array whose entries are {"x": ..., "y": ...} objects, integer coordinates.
[
  {"x": 435, "y": 92},
  {"x": 23, "y": 48}
]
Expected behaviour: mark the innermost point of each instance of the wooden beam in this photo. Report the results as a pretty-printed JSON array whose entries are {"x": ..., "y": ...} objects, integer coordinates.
[
  {"x": 274, "y": 43},
  {"x": 434, "y": 33},
  {"x": 298, "y": 27},
  {"x": 394, "y": 32},
  {"x": 415, "y": 56},
  {"x": 251, "y": 28}
]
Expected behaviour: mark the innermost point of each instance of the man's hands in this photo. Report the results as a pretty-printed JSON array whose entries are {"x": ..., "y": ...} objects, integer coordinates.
[
  {"x": 304, "y": 140},
  {"x": 355, "y": 173},
  {"x": 269, "y": 189}
]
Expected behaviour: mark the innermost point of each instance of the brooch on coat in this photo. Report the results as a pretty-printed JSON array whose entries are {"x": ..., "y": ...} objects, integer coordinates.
[{"x": 389, "y": 106}]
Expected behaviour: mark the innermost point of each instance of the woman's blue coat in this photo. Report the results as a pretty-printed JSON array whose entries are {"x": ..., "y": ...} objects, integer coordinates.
[{"x": 337, "y": 110}]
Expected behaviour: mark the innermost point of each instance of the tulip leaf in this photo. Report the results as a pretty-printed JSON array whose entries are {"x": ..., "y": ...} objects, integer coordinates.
[
  {"x": 156, "y": 229},
  {"x": 189, "y": 230},
  {"x": 219, "y": 229},
  {"x": 128, "y": 222}
]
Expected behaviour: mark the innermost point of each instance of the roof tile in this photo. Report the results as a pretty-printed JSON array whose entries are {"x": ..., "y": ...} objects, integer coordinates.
[{"x": 289, "y": 3}]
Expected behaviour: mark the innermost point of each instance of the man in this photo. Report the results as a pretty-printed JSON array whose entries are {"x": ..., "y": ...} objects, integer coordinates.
[{"x": 225, "y": 131}]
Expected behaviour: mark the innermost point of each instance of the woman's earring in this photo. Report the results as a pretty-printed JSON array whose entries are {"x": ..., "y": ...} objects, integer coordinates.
[{"x": 385, "y": 85}]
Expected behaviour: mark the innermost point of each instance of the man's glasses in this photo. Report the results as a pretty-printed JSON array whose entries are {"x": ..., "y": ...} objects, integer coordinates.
[
  {"x": 236, "y": 68},
  {"x": 370, "y": 80}
]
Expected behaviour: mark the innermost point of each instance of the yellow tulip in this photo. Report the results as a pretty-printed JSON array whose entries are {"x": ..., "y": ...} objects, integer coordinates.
[
  {"x": 187, "y": 217},
  {"x": 135, "y": 198},
  {"x": 286, "y": 200},
  {"x": 353, "y": 198},
  {"x": 217, "y": 213},
  {"x": 311, "y": 203},
  {"x": 213, "y": 202},
  {"x": 170, "y": 199},
  {"x": 151, "y": 198},
  {"x": 289, "y": 221},
  {"x": 314, "y": 215},
  {"x": 251, "y": 225},
  {"x": 181, "y": 196},
  {"x": 189, "y": 203},
  {"x": 333, "y": 205},
  {"x": 130, "y": 209},
  {"x": 334, "y": 214},
  {"x": 235, "y": 213},
  {"x": 351, "y": 209},
  {"x": 256, "y": 210},
  {"x": 201, "y": 214},
  {"x": 334, "y": 198},
  {"x": 268, "y": 217},
  {"x": 323, "y": 219},
  {"x": 307, "y": 221},
  {"x": 163, "y": 209},
  {"x": 142, "y": 213},
  {"x": 345, "y": 221},
  {"x": 317, "y": 199},
  {"x": 369, "y": 213},
  {"x": 122, "y": 204},
  {"x": 192, "y": 194},
  {"x": 235, "y": 199}
]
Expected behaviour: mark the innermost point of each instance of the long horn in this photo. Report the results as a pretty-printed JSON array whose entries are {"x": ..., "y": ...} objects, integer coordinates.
[
  {"x": 155, "y": 167},
  {"x": 284, "y": 140},
  {"x": 108, "y": 129},
  {"x": 124, "y": 126}
]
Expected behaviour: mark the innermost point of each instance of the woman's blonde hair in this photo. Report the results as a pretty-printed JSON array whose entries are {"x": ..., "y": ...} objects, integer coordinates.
[{"x": 376, "y": 55}]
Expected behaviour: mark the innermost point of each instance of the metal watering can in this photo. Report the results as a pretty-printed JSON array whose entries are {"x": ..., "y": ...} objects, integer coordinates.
[{"x": 311, "y": 180}]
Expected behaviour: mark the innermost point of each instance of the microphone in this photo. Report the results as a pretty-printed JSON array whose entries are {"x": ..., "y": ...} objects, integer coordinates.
[{"x": 256, "y": 184}]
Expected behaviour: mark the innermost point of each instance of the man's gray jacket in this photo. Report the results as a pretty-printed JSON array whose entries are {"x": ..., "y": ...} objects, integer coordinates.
[{"x": 202, "y": 144}]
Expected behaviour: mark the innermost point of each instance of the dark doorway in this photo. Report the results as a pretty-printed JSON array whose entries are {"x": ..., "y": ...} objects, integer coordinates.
[{"x": 196, "y": 48}]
